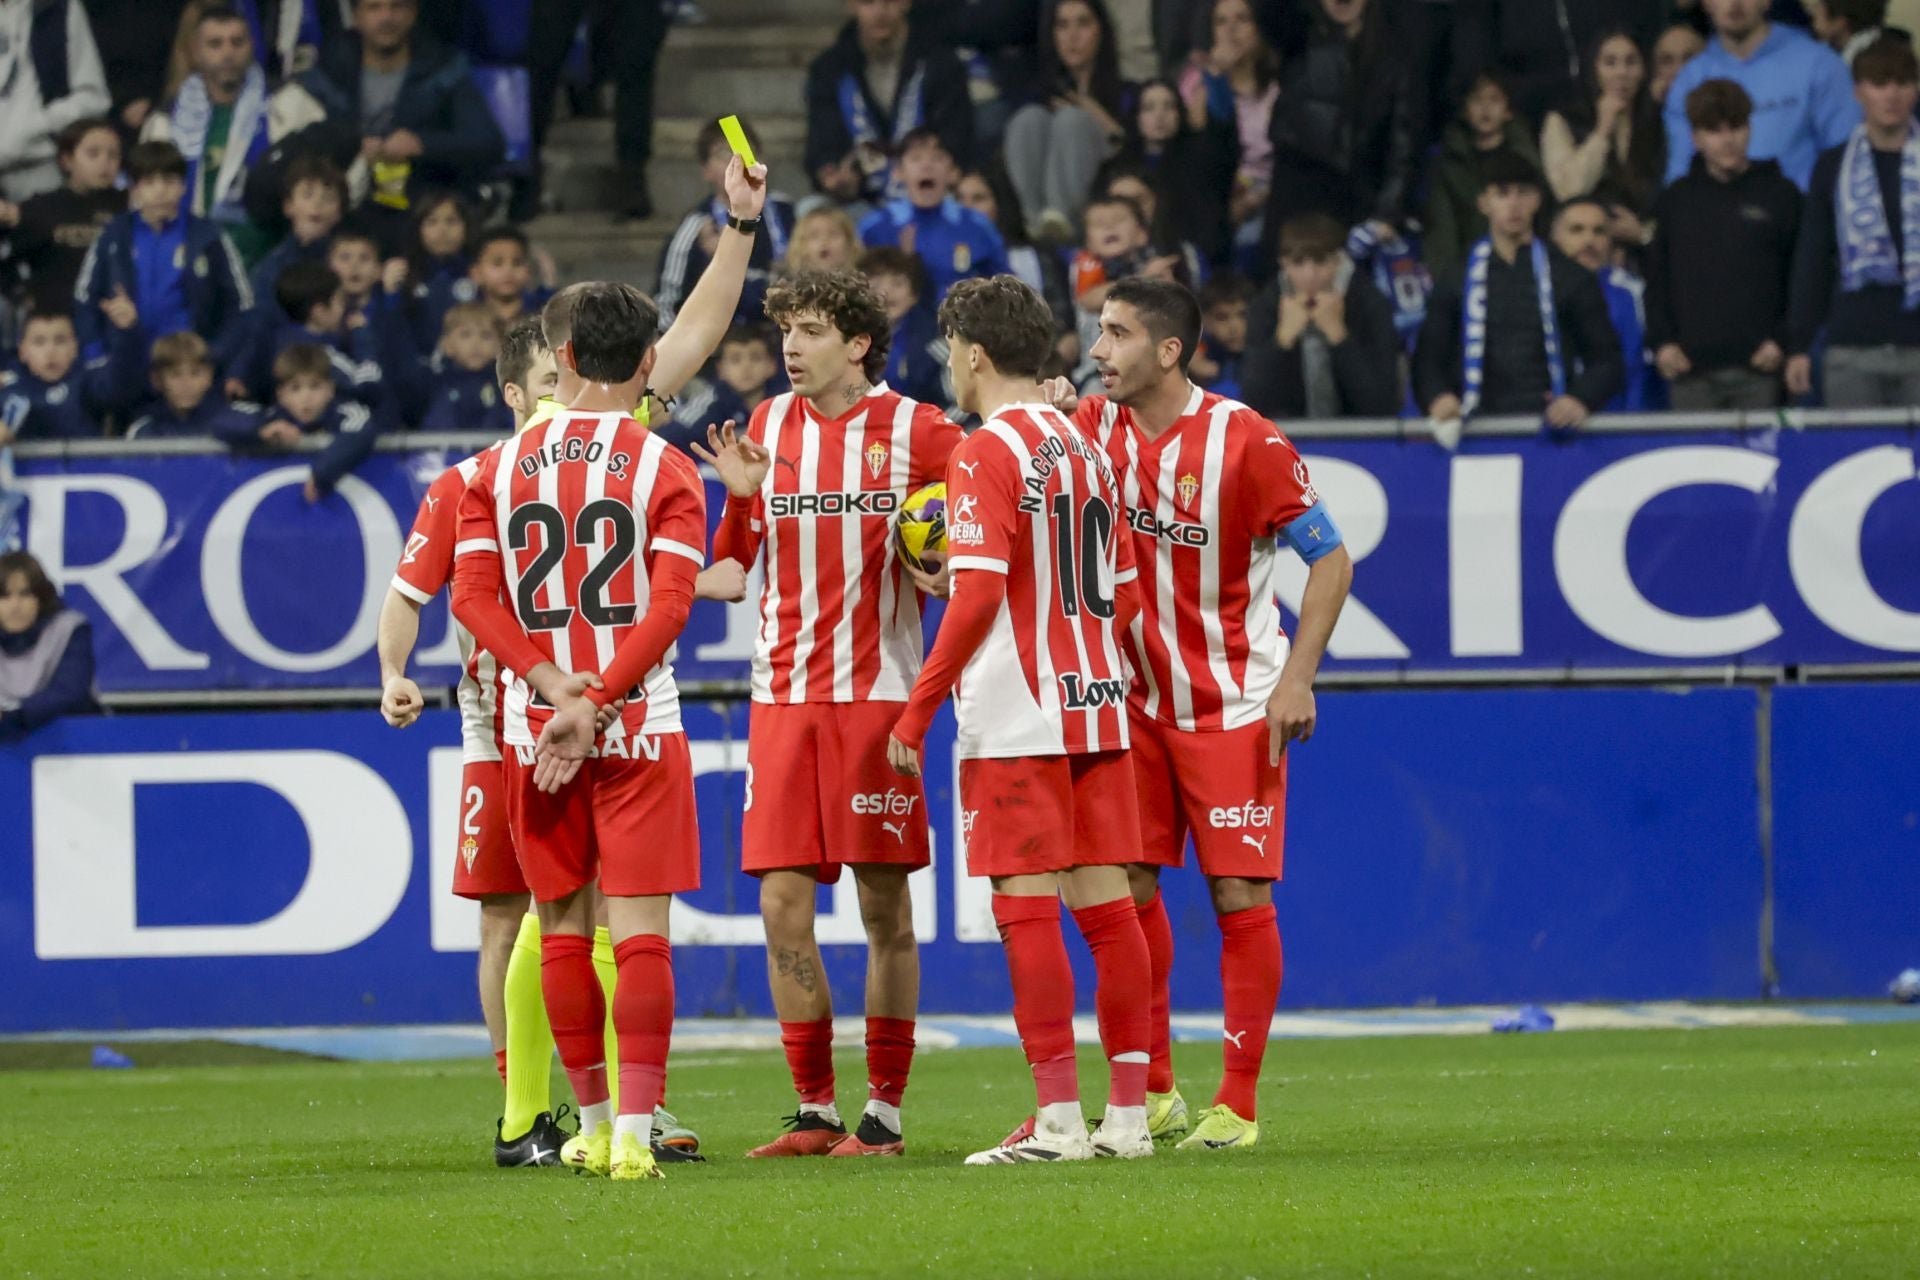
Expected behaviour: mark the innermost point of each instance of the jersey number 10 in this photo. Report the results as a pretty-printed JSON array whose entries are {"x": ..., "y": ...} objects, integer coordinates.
[{"x": 1081, "y": 551}]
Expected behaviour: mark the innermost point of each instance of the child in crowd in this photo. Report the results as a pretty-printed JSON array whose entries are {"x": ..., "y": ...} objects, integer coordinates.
[
  {"x": 52, "y": 232},
  {"x": 49, "y": 394},
  {"x": 1223, "y": 306},
  {"x": 306, "y": 402},
  {"x": 917, "y": 359},
  {"x": 439, "y": 271},
  {"x": 181, "y": 367},
  {"x": 746, "y": 372},
  {"x": 311, "y": 310},
  {"x": 354, "y": 256},
  {"x": 690, "y": 248},
  {"x": 1487, "y": 127},
  {"x": 315, "y": 201},
  {"x": 1118, "y": 244},
  {"x": 462, "y": 394},
  {"x": 1720, "y": 268},
  {"x": 954, "y": 242},
  {"x": 502, "y": 274},
  {"x": 824, "y": 239},
  {"x": 1320, "y": 338},
  {"x": 174, "y": 270}
]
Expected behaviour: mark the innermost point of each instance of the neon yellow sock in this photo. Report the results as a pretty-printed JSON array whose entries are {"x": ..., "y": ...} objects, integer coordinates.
[
  {"x": 603, "y": 964},
  {"x": 529, "y": 1038}
]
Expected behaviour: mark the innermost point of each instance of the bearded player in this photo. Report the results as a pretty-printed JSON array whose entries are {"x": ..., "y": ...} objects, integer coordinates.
[
  {"x": 816, "y": 481},
  {"x": 1042, "y": 589},
  {"x": 1213, "y": 492}
]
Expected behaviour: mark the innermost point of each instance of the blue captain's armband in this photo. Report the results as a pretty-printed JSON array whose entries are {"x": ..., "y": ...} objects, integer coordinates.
[{"x": 1313, "y": 534}]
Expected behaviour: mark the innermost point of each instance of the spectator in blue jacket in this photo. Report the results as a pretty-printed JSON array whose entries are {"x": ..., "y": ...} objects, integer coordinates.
[
  {"x": 916, "y": 358},
  {"x": 502, "y": 274},
  {"x": 439, "y": 270},
  {"x": 184, "y": 403},
  {"x": 311, "y": 310},
  {"x": 46, "y": 651},
  {"x": 51, "y": 395},
  {"x": 404, "y": 103},
  {"x": 745, "y": 372},
  {"x": 690, "y": 248},
  {"x": 178, "y": 270},
  {"x": 374, "y": 295},
  {"x": 314, "y": 200},
  {"x": 457, "y": 388},
  {"x": 1582, "y": 231},
  {"x": 954, "y": 242},
  {"x": 306, "y": 403},
  {"x": 1802, "y": 92}
]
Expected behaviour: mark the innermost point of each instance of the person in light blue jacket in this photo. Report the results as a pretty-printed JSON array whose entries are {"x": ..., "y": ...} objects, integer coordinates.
[{"x": 1802, "y": 95}]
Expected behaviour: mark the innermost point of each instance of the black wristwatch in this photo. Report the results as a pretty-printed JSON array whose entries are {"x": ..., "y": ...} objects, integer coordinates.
[{"x": 745, "y": 226}]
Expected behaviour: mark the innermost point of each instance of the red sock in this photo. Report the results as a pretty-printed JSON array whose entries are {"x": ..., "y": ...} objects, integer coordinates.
[
  {"x": 1250, "y": 979},
  {"x": 577, "y": 1011},
  {"x": 1159, "y": 934},
  {"x": 1042, "y": 992},
  {"x": 889, "y": 1058},
  {"x": 500, "y": 1063},
  {"x": 1112, "y": 931},
  {"x": 643, "y": 1019},
  {"x": 809, "y": 1047}
]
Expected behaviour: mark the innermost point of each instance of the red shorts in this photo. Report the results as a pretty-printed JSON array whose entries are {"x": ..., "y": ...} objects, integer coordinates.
[
  {"x": 1219, "y": 787},
  {"x": 821, "y": 795},
  {"x": 1029, "y": 815},
  {"x": 485, "y": 866},
  {"x": 630, "y": 822}
]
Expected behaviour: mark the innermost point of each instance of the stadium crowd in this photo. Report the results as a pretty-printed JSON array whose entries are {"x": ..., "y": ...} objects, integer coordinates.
[{"x": 257, "y": 221}]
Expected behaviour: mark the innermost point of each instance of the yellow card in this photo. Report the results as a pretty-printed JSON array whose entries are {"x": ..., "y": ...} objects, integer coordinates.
[{"x": 737, "y": 139}]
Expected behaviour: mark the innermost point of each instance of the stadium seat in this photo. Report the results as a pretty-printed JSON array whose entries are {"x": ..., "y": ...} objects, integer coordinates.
[
  {"x": 498, "y": 31},
  {"x": 509, "y": 96}
]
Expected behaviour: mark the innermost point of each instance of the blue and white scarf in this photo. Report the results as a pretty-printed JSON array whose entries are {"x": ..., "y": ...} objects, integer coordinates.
[
  {"x": 909, "y": 108},
  {"x": 1866, "y": 239},
  {"x": 1398, "y": 273},
  {"x": 246, "y": 140},
  {"x": 1474, "y": 365}
]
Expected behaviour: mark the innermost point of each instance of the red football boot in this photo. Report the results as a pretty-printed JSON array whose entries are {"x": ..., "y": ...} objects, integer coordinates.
[
  {"x": 808, "y": 1134},
  {"x": 872, "y": 1138}
]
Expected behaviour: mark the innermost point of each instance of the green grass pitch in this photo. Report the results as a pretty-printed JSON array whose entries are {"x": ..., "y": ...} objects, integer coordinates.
[{"x": 1788, "y": 1152}]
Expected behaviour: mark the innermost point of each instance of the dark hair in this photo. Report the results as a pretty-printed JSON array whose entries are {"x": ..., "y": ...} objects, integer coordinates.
[
  {"x": 1003, "y": 317},
  {"x": 1859, "y": 15},
  {"x": 1504, "y": 168},
  {"x": 46, "y": 309},
  {"x": 39, "y": 585},
  {"x": 155, "y": 160},
  {"x": 757, "y": 335},
  {"x": 1224, "y": 287},
  {"x": 1168, "y": 310},
  {"x": 302, "y": 360},
  {"x": 218, "y": 12},
  {"x": 1719, "y": 104},
  {"x": 498, "y": 235},
  {"x": 920, "y": 137},
  {"x": 614, "y": 327},
  {"x": 522, "y": 345},
  {"x": 314, "y": 168},
  {"x": 892, "y": 260},
  {"x": 846, "y": 299},
  {"x": 425, "y": 208},
  {"x": 1105, "y": 83},
  {"x": 68, "y": 140},
  {"x": 177, "y": 350},
  {"x": 1102, "y": 200},
  {"x": 711, "y": 135},
  {"x": 1635, "y": 181},
  {"x": 1266, "y": 62},
  {"x": 1581, "y": 202},
  {"x": 354, "y": 235},
  {"x": 556, "y": 318},
  {"x": 1888, "y": 60},
  {"x": 304, "y": 286},
  {"x": 1013, "y": 218},
  {"x": 1492, "y": 78},
  {"x": 1311, "y": 235}
]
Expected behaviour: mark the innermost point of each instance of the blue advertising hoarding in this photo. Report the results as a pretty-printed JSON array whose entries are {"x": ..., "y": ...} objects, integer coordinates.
[
  {"x": 1713, "y": 549},
  {"x": 1450, "y": 847}
]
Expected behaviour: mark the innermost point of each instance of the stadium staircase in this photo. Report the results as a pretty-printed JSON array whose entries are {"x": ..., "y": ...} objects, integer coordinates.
[{"x": 749, "y": 57}]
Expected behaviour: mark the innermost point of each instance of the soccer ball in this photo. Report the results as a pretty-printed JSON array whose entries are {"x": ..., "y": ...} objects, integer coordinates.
[
  {"x": 1906, "y": 987},
  {"x": 920, "y": 530}
]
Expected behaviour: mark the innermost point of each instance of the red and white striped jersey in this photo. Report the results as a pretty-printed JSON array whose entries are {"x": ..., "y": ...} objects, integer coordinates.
[
  {"x": 425, "y": 569},
  {"x": 1030, "y": 496},
  {"x": 1209, "y": 502},
  {"x": 839, "y": 620},
  {"x": 578, "y": 508}
]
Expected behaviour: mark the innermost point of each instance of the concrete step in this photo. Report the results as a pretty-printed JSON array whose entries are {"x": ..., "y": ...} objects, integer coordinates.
[
  {"x": 747, "y": 13},
  {"x": 581, "y": 173}
]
